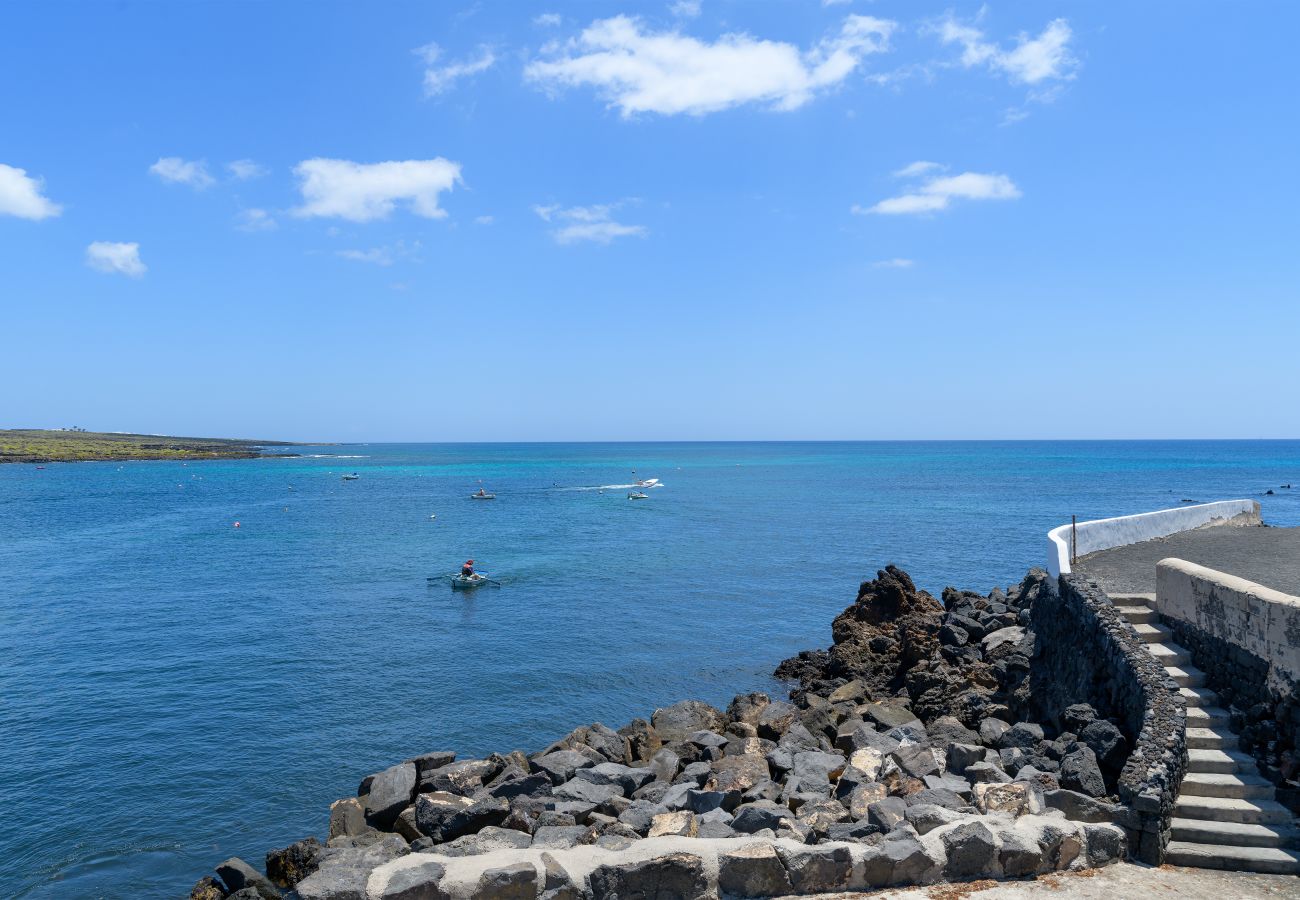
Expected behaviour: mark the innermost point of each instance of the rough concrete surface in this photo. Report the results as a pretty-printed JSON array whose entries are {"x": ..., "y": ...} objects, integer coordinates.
[
  {"x": 1267, "y": 556},
  {"x": 1121, "y": 881}
]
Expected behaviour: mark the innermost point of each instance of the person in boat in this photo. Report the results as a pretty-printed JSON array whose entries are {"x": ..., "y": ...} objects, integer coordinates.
[
  {"x": 481, "y": 492},
  {"x": 467, "y": 570}
]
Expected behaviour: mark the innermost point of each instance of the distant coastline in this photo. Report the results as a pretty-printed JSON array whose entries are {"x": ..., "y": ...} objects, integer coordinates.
[{"x": 39, "y": 445}]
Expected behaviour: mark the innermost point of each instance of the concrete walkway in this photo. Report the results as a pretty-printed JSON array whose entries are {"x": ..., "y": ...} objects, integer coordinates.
[
  {"x": 1267, "y": 556},
  {"x": 1121, "y": 881}
]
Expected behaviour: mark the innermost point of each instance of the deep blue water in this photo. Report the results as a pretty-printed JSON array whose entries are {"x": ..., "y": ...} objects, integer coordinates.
[{"x": 174, "y": 690}]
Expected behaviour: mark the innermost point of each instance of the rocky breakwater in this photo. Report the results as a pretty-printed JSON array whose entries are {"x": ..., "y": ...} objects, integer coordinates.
[{"x": 900, "y": 760}]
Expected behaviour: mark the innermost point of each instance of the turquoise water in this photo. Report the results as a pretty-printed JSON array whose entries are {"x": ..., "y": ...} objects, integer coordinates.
[{"x": 175, "y": 690}]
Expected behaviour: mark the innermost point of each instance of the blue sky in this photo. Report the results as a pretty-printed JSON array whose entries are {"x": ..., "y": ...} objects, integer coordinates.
[{"x": 713, "y": 220}]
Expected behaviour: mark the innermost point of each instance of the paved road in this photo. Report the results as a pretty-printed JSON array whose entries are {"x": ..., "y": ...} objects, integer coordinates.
[
  {"x": 1267, "y": 556},
  {"x": 1121, "y": 881}
]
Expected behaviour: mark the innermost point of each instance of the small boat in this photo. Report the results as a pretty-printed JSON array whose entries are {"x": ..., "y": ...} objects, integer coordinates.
[
  {"x": 353, "y": 477},
  {"x": 637, "y": 495},
  {"x": 467, "y": 582},
  {"x": 482, "y": 495}
]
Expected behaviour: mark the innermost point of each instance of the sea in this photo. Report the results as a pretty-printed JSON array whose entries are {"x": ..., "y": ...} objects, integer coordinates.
[{"x": 197, "y": 658}]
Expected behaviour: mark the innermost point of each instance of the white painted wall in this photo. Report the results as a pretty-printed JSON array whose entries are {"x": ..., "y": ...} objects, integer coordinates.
[
  {"x": 1248, "y": 615},
  {"x": 1102, "y": 534}
]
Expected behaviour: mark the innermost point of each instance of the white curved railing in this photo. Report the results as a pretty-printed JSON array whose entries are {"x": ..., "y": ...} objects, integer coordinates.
[{"x": 1102, "y": 534}]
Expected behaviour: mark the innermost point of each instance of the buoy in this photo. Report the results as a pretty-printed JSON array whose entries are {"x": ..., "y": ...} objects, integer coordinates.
[{"x": 236, "y": 524}]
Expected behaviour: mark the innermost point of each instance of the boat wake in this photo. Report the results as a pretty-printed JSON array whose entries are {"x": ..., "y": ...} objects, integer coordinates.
[
  {"x": 613, "y": 487},
  {"x": 334, "y": 456}
]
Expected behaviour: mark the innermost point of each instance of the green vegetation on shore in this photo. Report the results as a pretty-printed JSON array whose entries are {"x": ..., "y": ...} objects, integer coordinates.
[{"x": 44, "y": 445}]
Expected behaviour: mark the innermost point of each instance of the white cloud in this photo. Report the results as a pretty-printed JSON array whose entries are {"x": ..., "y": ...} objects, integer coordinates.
[
  {"x": 20, "y": 195},
  {"x": 685, "y": 9},
  {"x": 1031, "y": 61},
  {"x": 548, "y": 20},
  {"x": 896, "y": 263},
  {"x": 836, "y": 2},
  {"x": 920, "y": 167},
  {"x": 361, "y": 192},
  {"x": 667, "y": 72},
  {"x": 383, "y": 256},
  {"x": 244, "y": 169},
  {"x": 937, "y": 193},
  {"x": 587, "y": 223},
  {"x": 484, "y": 220},
  {"x": 256, "y": 220},
  {"x": 440, "y": 79},
  {"x": 115, "y": 258},
  {"x": 175, "y": 170}
]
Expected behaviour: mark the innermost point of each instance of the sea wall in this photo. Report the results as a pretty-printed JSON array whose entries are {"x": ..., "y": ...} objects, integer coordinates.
[
  {"x": 1102, "y": 534},
  {"x": 1246, "y": 638},
  {"x": 1088, "y": 654}
]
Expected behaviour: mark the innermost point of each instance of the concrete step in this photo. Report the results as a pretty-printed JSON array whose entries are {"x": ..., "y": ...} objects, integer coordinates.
[
  {"x": 1238, "y": 786},
  {"x": 1147, "y": 600},
  {"x": 1210, "y": 739},
  {"x": 1199, "y": 696},
  {"x": 1139, "y": 615},
  {"x": 1153, "y": 633},
  {"x": 1223, "y": 809},
  {"x": 1186, "y": 677},
  {"x": 1222, "y": 762},
  {"x": 1170, "y": 654},
  {"x": 1207, "y": 717},
  {"x": 1233, "y": 834},
  {"x": 1272, "y": 860}
]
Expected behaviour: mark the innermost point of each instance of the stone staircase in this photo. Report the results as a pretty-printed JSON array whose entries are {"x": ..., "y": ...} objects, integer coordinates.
[{"x": 1225, "y": 816}]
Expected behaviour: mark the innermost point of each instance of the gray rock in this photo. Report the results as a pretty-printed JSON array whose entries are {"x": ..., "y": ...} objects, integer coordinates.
[
  {"x": 991, "y": 731},
  {"x": 475, "y": 817},
  {"x": 536, "y": 785},
  {"x": 950, "y": 784},
  {"x": 664, "y": 765},
  {"x": 433, "y": 811},
  {"x": 737, "y": 773},
  {"x": 414, "y": 882},
  {"x": 1107, "y": 742},
  {"x": 561, "y": 836},
  {"x": 587, "y": 791},
  {"x": 1079, "y": 772},
  {"x": 907, "y": 860},
  {"x": 464, "y": 777},
  {"x": 747, "y": 707},
  {"x": 812, "y": 766},
  {"x": 947, "y": 730},
  {"x": 561, "y": 765},
  {"x": 347, "y": 817},
  {"x": 427, "y": 762},
  {"x": 821, "y": 814},
  {"x": 674, "y": 824},
  {"x": 1019, "y": 856},
  {"x": 557, "y": 883},
  {"x": 1012, "y": 799},
  {"x": 716, "y": 830},
  {"x": 971, "y": 850},
  {"x": 516, "y": 882},
  {"x": 290, "y": 865},
  {"x": 677, "y": 722},
  {"x": 1061, "y": 843},
  {"x": 820, "y": 869},
  {"x": 1106, "y": 844},
  {"x": 776, "y": 719},
  {"x": 236, "y": 875},
  {"x": 852, "y": 831},
  {"x": 888, "y": 715},
  {"x": 343, "y": 872},
  {"x": 754, "y": 870},
  {"x": 653, "y": 792},
  {"x": 1012, "y": 635},
  {"x": 489, "y": 839},
  {"x": 863, "y": 795},
  {"x": 628, "y": 778},
  {"x": 986, "y": 773},
  {"x": 639, "y": 815},
  {"x": 695, "y": 773},
  {"x": 1024, "y": 735},
  {"x": 938, "y": 797},
  {"x": 706, "y": 801},
  {"x": 917, "y": 761},
  {"x": 391, "y": 791},
  {"x": 752, "y": 817},
  {"x": 1077, "y": 716},
  {"x": 679, "y": 876},
  {"x": 962, "y": 755},
  {"x": 926, "y": 817},
  {"x": 1082, "y": 808},
  {"x": 676, "y": 796},
  {"x": 887, "y": 813}
]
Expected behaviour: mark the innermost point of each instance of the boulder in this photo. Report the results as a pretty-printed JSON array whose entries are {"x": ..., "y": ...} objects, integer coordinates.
[
  {"x": 1106, "y": 742},
  {"x": 867, "y": 762},
  {"x": 290, "y": 865},
  {"x": 986, "y": 773},
  {"x": 820, "y": 869},
  {"x": 344, "y": 872},
  {"x": 754, "y": 870},
  {"x": 464, "y": 777},
  {"x": 947, "y": 730},
  {"x": 562, "y": 837},
  {"x": 907, "y": 861},
  {"x": 579, "y": 789},
  {"x": 752, "y": 817},
  {"x": 888, "y": 715},
  {"x": 639, "y": 815},
  {"x": 207, "y": 888},
  {"x": 747, "y": 708},
  {"x": 926, "y": 817},
  {"x": 643, "y": 742},
  {"x": 628, "y": 778},
  {"x": 236, "y": 875},
  {"x": 676, "y": 722},
  {"x": 486, "y": 841},
  {"x": 972, "y": 851},
  {"x": 1019, "y": 856},
  {"x": 427, "y": 762},
  {"x": 939, "y": 796},
  {"x": 1012, "y": 799},
  {"x": 536, "y": 785},
  {"x": 695, "y": 773},
  {"x": 776, "y": 719},
  {"x": 514, "y": 882},
  {"x": 391, "y": 791},
  {"x": 435, "y": 810},
  {"x": 416, "y": 879},
  {"x": 1079, "y": 772},
  {"x": 815, "y": 766},
  {"x": 347, "y": 818},
  {"x": 738, "y": 773},
  {"x": 1004, "y": 637},
  {"x": 917, "y": 761},
  {"x": 863, "y": 795},
  {"x": 850, "y": 692},
  {"x": 991, "y": 731},
  {"x": 1082, "y": 808},
  {"x": 701, "y": 802},
  {"x": 821, "y": 814},
  {"x": 1106, "y": 843},
  {"x": 557, "y": 883},
  {"x": 476, "y": 816},
  {"x": 1077, "y": 716},
  {"x": 677, "y": 875},
  {"x": 560, "y": 765},
  {"x": 1024, "y": 735},
  {"x": 887, "y": 813},
  {"x": 1061, "y": 843},
  {"x": 664, "y": 765},
  {"x": 677, "y": 824}
]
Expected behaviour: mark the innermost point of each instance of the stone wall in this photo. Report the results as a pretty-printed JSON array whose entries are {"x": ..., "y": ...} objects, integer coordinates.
[
  {"x": 1088, "y": 654},
  {"x": 1246, "y": 639}
]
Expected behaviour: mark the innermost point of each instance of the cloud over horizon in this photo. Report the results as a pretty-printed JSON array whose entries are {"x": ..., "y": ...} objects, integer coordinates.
[
  {"x": 640, "y": 70},
  {"x": 115, "y": 258},
  {"x": 21, "y": 195},
  {"x": 363, "y": 192}
]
